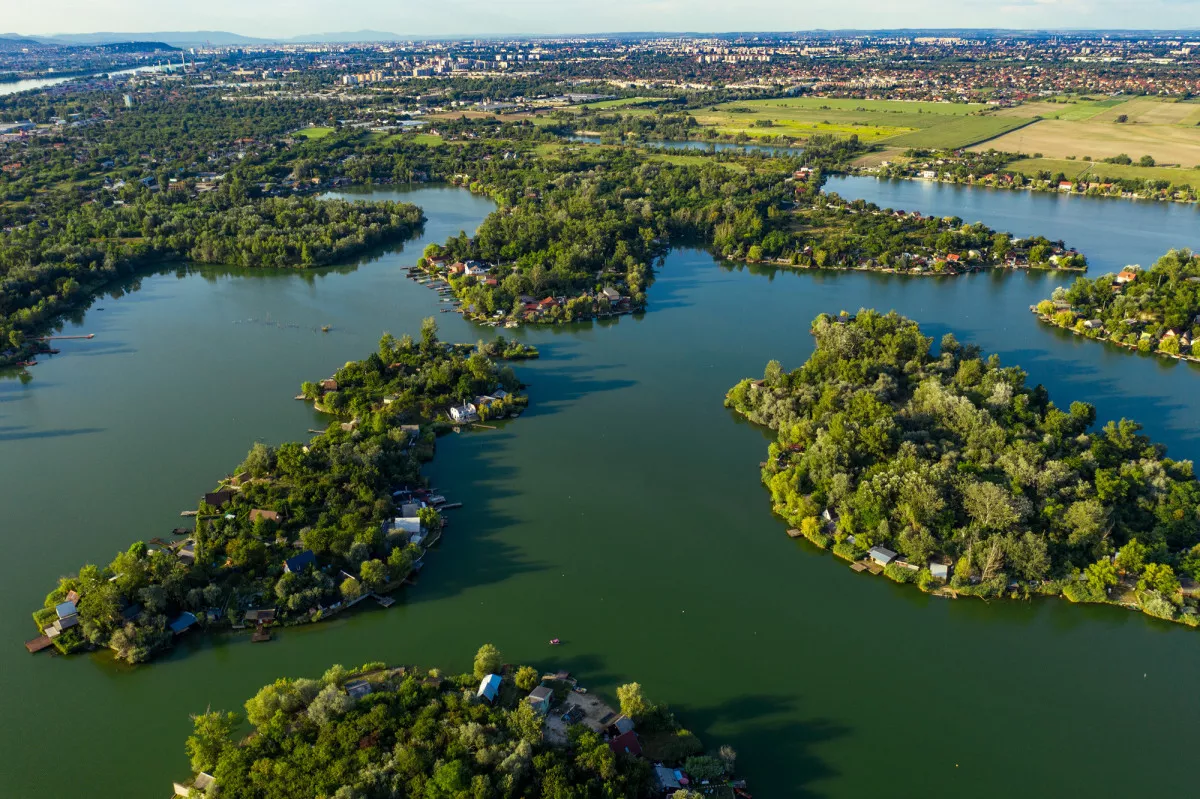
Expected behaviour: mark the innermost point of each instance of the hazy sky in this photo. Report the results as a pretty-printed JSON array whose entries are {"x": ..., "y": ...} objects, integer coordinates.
[{"x": 292, "y": 17}]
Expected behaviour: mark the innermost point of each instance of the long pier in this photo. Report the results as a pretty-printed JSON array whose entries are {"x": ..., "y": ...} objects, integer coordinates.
[{"x": 63, "y": 338}]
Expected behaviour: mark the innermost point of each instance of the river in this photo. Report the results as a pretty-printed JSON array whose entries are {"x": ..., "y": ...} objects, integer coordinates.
[
  {"x": 29, "y": 84},
  {"x": 623, "y": 514}
]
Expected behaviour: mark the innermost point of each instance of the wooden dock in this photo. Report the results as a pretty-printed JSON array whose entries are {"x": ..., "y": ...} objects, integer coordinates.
[
  {"x": 39, "y": 643},
  {"x": 261, "y": 633},
  {"x": 794, "y": 533},
  {"x": 858, "y": 567}
]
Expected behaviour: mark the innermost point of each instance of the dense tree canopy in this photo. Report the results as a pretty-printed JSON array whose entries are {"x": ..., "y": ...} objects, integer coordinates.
[{"x": 951, "y": 458}]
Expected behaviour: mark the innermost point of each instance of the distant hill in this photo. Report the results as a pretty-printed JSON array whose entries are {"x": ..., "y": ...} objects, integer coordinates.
[{"x": 200, "y": 38}]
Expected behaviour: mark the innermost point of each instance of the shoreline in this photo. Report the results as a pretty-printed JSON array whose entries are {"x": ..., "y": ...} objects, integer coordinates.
[{"x": 861, "y": 172}]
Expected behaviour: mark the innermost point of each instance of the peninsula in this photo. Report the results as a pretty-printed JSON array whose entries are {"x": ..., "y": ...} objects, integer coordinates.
[
  {"x": 299, "y": 532},
  {"x": 500, "y": 731},
  {"x": 944, "y": 469},
  {"x": 1156, "y": 310}
]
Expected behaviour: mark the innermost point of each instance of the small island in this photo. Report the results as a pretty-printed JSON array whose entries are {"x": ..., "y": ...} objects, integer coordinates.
[
  {"x": 501, "y": 731},
  {"x": 1154, "y": 311},
  {"x": 946, "y": 470},
  {"x": 299, "y": 532}
]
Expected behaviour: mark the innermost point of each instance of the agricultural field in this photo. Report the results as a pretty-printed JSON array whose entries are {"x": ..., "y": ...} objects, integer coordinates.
[
  {"x": 1070, "y": 108},
  {"x": 888, "y": 122},
  {"x": 624, "y": 103},
  {"x": 1074, "y": 170},
  {"x": 1167, "y": 130}
]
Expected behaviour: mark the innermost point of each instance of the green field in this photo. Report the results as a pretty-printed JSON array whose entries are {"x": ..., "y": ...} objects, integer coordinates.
[
  {"x": 1164, "y": 128},
  {"x": 1102, "y": 172},
  {"x": 624, "y": 102},
  {"x": 314, "y": 133},
  {"x": 888, "y": 122}
]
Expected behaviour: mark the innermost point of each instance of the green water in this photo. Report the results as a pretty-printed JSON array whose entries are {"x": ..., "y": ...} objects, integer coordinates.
[{"x": 622, "y": 513}]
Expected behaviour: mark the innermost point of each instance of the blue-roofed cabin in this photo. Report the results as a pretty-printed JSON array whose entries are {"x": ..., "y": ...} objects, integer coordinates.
[
  {"x": 64, "y": 609},
  {"x": 298, "y": 563},
  {"x": 182, "y": 622},
  {"x": 489, "y": 687}
]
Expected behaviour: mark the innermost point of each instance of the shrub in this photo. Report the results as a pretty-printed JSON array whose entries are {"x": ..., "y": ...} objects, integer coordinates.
[{"x": 900, "y": 573}]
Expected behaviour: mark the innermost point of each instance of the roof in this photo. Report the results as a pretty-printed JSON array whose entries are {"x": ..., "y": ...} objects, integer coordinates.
[
  {"x": 882, "y": 553},
  {"x": 666, "y": 778},
  {"x": 541, "y": 692},
  {"x": 298, "y": 563},
  {"x": 626, "y": 742},
  {"x": 182, "y": 622},
  {"x": 64, "y": 609},
  {"x": 218, "y": 498},
  {"x": 489, "y": 686}
]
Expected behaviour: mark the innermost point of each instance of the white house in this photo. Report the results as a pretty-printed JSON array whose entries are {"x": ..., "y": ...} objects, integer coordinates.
[
  {"x": 466, "y": 412},
  {"x": 940, "y": 570}
]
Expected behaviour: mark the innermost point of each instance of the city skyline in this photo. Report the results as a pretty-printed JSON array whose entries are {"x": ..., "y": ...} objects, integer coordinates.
[{"x": 277, "y": 19}]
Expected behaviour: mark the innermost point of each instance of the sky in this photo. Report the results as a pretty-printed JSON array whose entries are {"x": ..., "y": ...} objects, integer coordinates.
[{"x": 269, "y": 18}]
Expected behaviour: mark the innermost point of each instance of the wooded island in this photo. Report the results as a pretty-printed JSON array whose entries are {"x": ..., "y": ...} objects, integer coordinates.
[{"x": 947, "y": 470}]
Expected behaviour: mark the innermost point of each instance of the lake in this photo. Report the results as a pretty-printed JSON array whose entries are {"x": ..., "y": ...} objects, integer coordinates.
[
  {"x": 1111, "y": 232},
  {"x": 622, "y": 513}
]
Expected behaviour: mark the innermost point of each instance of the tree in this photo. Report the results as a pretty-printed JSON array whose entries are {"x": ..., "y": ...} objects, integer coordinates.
[
  {"x": 990, "y": 505},
  {"x": 1100, "y": 575},
  {"x": 1146, "y": 160},
  {"x": 1159, "y": 577},
  {"x": 487, "y": 661},
  {"x": 633, "y": 703},
  {"x": 429, "y": 332},
  {"x": 351, "y": 589},
  {"x": 373, "y": 574},
  {"x": 211, "y": 734},
  {"x": 703, "y": 767},
  {"x": 527, "y": 678}
]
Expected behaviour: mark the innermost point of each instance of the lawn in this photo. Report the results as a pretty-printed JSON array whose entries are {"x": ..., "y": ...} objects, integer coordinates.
[
  {"x": 314, "y": 133},
  {"x": 1102, "y": 172}
]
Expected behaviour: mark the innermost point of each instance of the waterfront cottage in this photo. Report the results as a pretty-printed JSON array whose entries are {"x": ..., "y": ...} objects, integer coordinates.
[
  {"x": 489, "y": 687},
  {"x": 464, "y": 413},
  {"x": 1126, "y": 276},
  {"x": 626, "y": 742},
  {"x": 218, "y": 499},
  {"x": 65, "y": 609},
  {"x": 882, "y": 555},
  {"x": 183, "y": 622},
  {"x": 666, "y": 779},
  {"x": 940, "y": 571},
  {"x": 357, "y": 689},
  {"x": 539, "y": 699}
]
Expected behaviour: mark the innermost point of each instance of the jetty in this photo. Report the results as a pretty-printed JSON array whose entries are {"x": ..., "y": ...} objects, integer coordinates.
[
  {"x": 189, "y": 513},
  {"x": 794, "y": 533},
  {"x": 64, "y": 338},
  {"x": 39, "y": 643}
]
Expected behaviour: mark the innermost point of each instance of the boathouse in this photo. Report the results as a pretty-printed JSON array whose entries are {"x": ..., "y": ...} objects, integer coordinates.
[{"x": 882, "y": 555}]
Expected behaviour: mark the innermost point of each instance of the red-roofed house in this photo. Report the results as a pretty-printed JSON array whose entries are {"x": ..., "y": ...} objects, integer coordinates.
[{"x": 626, "y": 742}]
